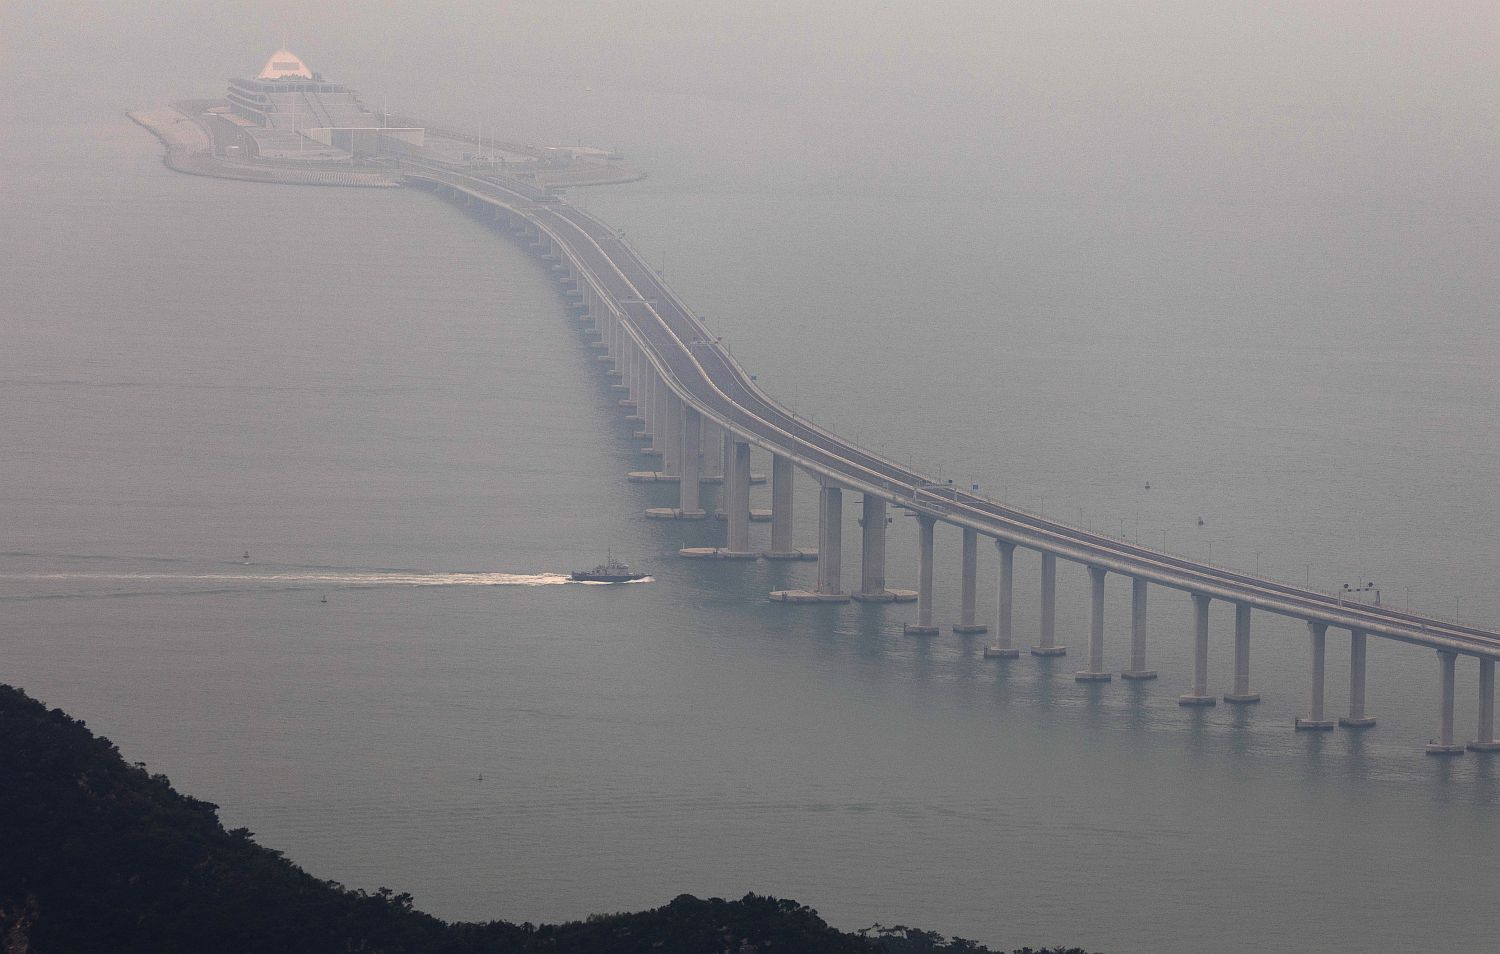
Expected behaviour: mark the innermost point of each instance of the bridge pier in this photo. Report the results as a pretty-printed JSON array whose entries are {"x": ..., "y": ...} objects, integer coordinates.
[
  {"x": 1138, "y": 670},
  {"x": 923, "y": 626},
  {"x": 689, "y": 488},
  {"x": 781, "y": 510},
  {"x": 736, "y": 507},
  {"x": 831, "y": 541},
  {"x": 633, "y": 380},
  {"x": 619, "y": 375},
  {"x": 1047, "y": 646},
  {"x": 689, "y": 484},
  {"x": 713, "y": 450},
  {"x": 1096, "y": 671},
  {"x": 737, "y": 513},
  {"x": 1199, "y": 696},
  {"x": 1484, "y": 738},
  {"x": 1001, "y": 649},
  {"x": 646, "y": 406},
  {"x": 1315, "y": 721},
  {"x": 662, "y": 424},
  {"x": 968, "y": 587},
  {"x": 830, "y": 553},
  {"x": 1242, "y": 694},
  {"x": 1356, "y": 719},
  {"x": 1444, "y": 744},
  {"x": 726, "y": 467},
  {"x": 670, "y": 434},
  {"x": 873, "y": 522}
]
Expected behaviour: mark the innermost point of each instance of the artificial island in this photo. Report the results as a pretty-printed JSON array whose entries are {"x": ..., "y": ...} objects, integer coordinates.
[{"x": 701, "y": 414}]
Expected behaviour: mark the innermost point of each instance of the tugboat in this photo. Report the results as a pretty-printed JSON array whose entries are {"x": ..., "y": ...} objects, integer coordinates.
[{"x": 610, "y": 571}]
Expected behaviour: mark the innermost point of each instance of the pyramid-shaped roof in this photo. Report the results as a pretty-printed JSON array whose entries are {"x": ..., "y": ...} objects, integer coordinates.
[{"x": 284, "y": 63}]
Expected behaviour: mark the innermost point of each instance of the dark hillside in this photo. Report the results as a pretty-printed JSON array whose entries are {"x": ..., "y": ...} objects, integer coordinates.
[{"x": 96, "y": 855}]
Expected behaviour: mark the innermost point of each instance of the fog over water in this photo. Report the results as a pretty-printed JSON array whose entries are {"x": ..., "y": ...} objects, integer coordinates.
[{"x": 1244, "y": 252}]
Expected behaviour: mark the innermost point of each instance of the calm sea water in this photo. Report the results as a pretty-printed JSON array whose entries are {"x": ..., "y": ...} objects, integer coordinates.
[{"x": 383, "y": 403}]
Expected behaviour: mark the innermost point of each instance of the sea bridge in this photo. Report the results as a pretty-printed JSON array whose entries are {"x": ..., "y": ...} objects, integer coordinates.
[{"x": 703, "y": 412}]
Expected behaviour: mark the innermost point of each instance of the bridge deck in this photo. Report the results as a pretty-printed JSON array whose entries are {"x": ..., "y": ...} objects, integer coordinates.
[{"x": 702, "y": 373}]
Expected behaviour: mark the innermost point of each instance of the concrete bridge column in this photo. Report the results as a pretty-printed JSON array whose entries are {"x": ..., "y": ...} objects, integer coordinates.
[
  {"x": 781, "y": 509},
  {"x": 1484, "y": 738},
  {"x": 923, "y": 626},
  {"x": 689, "y": 491},
  {"x": 1315, "y": 720},
  {"x": 661, "y": 421},
  {"x": 645, "y": 406},
  {"x": 619, "y": 372},
  {"x": 1242, "y": 694},
  {"x": 737, "y": 502},
  {"x": 1048, "y": 643},
  {"x": 669, "y": 440},
  {"x": 633, "y": 381},
  {"x": 1443, "y": 744},
  {"x": 968, "y": 587},
  {"x": 830, "y": 539},
  {"x": 713, "y": 449},
  {"x": 1096, "y": 671},
  {"x": 830, "y": 555},
  {"x": 1199, "y": 696},
  {"x": 872, "y": 522},
  {"x": 1356, "y": 719},
  {"x": 1004, "y": 585},
  {"x": 1138, "y": 668}
]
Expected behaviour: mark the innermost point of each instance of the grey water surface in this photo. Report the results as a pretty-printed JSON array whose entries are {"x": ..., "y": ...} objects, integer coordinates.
[{"x": 383, "y": 402}]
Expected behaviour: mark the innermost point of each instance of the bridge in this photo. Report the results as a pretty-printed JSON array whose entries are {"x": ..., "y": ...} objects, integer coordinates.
[{"x": 703, "y": 412}]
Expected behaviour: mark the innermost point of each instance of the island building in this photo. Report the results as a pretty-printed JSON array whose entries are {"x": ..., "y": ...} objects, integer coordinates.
[{"x": 289, "y": 112}]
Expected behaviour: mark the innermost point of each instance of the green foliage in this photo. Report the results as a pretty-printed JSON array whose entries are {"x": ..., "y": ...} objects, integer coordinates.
[{"x": 97, "y": 855}]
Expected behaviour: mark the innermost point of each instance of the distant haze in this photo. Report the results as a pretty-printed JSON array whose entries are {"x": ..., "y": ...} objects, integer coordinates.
[{"x": 1362, "y": 100}]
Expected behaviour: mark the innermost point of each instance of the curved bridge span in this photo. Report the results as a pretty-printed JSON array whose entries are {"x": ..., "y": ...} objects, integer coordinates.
[{"x": 703, "y": 412}]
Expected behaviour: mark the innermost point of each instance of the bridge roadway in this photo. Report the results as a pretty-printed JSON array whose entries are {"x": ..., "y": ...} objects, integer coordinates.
[{"x": 697, "y": 370}]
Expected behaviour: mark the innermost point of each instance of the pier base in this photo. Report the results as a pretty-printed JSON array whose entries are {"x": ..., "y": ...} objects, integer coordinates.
[
  {"x": 673, "y": 513},
  {"x": 1193, "y": 699},
  {"x": 1438, "y": 748},
  {"x": 1313, "y": 725},
  {"x": 1242, "y": 698},
  {"x": 798, "y": 554},
  {"x": 807, "y": 596},
  {"x": 993, "y": 652},
  {"x": 886, "y": 596},
  {"x": 1363, "y": 722},
  {"x": 972, "y": 629},
  {"x": 756, "y": 516},
  {"x": 1139, "y": 675},
  {"x": 916, "y": 629},
  {"x": 717, "y": 553},
  {"x": 1484, "y": 746},
  {"x": 1045, "y": 651},
  {"x": 651, "y": 477},
  {"x": 1086, "y": 676}
]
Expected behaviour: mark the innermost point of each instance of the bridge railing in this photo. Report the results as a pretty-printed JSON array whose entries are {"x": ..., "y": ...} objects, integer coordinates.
[{"x": 1039, "y": 532}]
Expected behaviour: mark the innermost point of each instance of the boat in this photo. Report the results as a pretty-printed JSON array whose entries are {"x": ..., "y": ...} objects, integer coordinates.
[{"x": 610, "y": 571}]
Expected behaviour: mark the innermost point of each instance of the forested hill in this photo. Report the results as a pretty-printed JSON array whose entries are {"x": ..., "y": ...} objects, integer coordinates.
[{"x": 97, "y": 855}]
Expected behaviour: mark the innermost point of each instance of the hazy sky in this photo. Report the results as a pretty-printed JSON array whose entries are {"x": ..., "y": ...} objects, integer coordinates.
[{"x": 1274, "y": 99}]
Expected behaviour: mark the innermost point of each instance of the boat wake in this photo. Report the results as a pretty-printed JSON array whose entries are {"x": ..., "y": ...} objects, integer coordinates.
[
  {"x": 96, "y": 584},
  {"x": 308, "y": 577}
]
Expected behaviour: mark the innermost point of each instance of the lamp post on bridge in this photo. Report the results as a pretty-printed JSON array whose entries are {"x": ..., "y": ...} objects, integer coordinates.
[{"x": 1349, "y": 589}]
